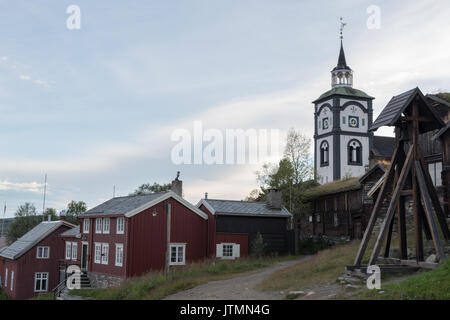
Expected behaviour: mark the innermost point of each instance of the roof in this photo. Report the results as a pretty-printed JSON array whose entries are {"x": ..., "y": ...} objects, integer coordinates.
[
  {"x": 377, "y": 167},
  {"x": 242, "y": 208},
  {"x": 376, "y": 186},
  {"x": 71, "y": 232},
  {"x": 333, "y": 187},
  {"x": 383, "y": 146},
  {"x": 344, "y": 91},
  {"x": 442, "y": 131},
  {"x": 399, "y": 104},
  {"x": 438, "y": 100},
  {"x": 31, "y": 238},
  {"x": 132, "y": 205}
]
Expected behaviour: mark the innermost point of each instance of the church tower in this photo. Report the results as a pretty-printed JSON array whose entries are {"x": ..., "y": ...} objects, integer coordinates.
[{"x": 342, "y": 118}]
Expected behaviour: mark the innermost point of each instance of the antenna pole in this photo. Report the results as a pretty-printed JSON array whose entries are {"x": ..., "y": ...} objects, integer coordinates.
[
  {"x": 114, "y": 191},
  {"x": 3, "y": 221}
]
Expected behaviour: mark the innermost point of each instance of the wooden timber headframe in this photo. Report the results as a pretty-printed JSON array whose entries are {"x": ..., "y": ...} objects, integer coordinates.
[{"x": 411, "y": 115}]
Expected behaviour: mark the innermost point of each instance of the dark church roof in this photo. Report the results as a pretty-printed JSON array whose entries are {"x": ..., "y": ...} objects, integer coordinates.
[
  {"x": 400, "y": 104},
  {"x": 442, "y": 131},
  {"x": 344, "y": 91},
  {"x": 383, "y": 146},
  {"x": 342, "y": 64}
]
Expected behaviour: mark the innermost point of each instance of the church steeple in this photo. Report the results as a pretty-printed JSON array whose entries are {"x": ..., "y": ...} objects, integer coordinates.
[{"x": 342, "y": 75}]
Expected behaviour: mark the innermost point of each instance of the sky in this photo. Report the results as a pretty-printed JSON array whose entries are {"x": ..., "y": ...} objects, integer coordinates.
[{"x": 95, "y": 107}]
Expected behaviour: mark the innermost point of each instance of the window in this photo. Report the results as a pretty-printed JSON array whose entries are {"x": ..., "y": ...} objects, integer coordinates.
[
  {"x": 363, "y": 121},
  {"x": 336, "y": 220},
  {"x": 310, "y": 219},
  {"x": 86, "y": 223},
  {"x": 354, "y": 150},
  {"x": 318, "y": 218},
  {"x": 98, "y": 253},
  {"x": 324, "y": 154},
  {"x": 120, "y": 225},
  {"x": 6, "y": 278},
  {"x": 68, "y": 250},
  {"x": 41, "y": 282},
  {"x": 119, "y": 254},
  {"x": 105, "y": 253},
  {"x": 227, "y": 250},
  {"x": 43, "y": 252},
  {"x": 12, "y": 280},
  {"x": 343, "y": 120},
  {"x": 105, "y": 225},
  {"x": 74, "y": 250},
  {"x": 177, "y": 254},
  {"x": 98, "y": 225},
  {"x": 435, "y": 170}
]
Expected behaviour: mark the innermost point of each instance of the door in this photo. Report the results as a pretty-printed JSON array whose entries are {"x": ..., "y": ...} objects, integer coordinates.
[{"x": 84, "y": 252}]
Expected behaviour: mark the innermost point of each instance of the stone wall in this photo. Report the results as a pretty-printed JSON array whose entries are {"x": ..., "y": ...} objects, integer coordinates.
[{"x": 101, "y": 281}]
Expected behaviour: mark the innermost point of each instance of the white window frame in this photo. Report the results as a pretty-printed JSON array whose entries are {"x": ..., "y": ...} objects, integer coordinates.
[
  {"x": 41, "y": 278},
  {"x": 86, "y": 225},
  {"x": 43, "y": 252},
  {"x": 6, "y": 278},
  {"x": 106, "y": 225},
  {"x": 97, "y": 253},
  {"x": 74, "y": 251},
  {"x": 120, "y": 222},
  {"x": 229, "y": 254},
  {"x": 68, "y": 250},
  {"x": 435, "y": 170},
  {"x": 98, "y": 225},
  {"x": 119, "y": 255},
  {"x": 105, "y": 253},
  {"x": 335, "y": 220},
  {"x": 236, "y": 251},
  {"x": 12, "y": 280},
  {"x": 177, "y": 246}
]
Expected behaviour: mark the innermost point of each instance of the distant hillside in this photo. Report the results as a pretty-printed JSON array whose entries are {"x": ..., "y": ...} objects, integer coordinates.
[
  {"x": 444, "y": 96},
  {"x": 6, "y": 225}
]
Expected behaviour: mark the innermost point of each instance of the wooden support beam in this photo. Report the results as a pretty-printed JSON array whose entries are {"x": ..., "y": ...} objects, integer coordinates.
[
  {"x": 373, "y": 216},
  {"x": 406, "y": 192},
  {"x": 388, "y": 240},
  {"x": 429, "y": 212},
  {"x": 392, "y": 204},
  {"x": 442, "y": 219},
  {"x": 423, "y": 217}
]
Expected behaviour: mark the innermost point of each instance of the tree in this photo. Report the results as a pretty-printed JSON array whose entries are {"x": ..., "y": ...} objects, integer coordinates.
[
  {"x": 297, "y": 151},
  {"x": 255, "y": 195},
  {"x": 74, "y": 209},
  {"x": 258, "y": 246},
  {"x": 25, "y": 220},
  {"x": 50, "y": 212},
  {"x": 147, "y": 188}
]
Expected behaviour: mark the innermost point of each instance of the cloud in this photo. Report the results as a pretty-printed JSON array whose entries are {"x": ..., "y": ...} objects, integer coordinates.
[
  {"x": 24, "y": 77},
  {"x": 34, "y": 187}
]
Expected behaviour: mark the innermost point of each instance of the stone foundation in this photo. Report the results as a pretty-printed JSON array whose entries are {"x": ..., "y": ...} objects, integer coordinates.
[{"x": 101, "y": 281}]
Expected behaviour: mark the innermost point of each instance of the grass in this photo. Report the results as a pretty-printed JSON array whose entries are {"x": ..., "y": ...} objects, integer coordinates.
[
  {"x": 155, "y": 285},
  {"x": 326, "y": 266},
  {"x": 431, "y": 285},
  {"x": 4, "y": 295},
  {"x": 332, "y": 187},
  {"x": 44, "y": 296}
]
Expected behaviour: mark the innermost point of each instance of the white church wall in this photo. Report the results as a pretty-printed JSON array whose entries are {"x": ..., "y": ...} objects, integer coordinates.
[
  {"x": 353, "y": 170},
  {"x": 355, "y": 111},
  {"x": 324, "y": 113},
  {"x": 325, "y": 174}
]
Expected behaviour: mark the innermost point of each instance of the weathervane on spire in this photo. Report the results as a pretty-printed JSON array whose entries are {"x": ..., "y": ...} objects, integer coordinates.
[{"x": 343, "y": 24}]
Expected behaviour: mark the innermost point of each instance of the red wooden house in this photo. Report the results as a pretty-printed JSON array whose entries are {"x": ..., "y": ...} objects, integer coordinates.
[
  {"x": 29, "y": 266},
  {"x": 129, "y": 236}
]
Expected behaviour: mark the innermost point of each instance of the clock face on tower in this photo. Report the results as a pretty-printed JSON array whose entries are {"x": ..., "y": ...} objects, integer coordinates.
[
  {"x": 353, "y": 122},
  {"x": 325, "y": 123}
]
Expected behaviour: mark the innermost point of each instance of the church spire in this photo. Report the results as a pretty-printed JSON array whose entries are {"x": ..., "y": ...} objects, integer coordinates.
[{"x": 342, "y": 75}]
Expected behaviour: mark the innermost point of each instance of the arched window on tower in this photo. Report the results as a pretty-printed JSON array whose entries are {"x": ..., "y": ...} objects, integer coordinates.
[
  {"x": 354, "y": 151},
  {"x": 324, "y": 154}
]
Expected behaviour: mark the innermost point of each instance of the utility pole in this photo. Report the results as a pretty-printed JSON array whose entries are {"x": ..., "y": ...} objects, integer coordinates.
[{"x": 45, "y": 190}]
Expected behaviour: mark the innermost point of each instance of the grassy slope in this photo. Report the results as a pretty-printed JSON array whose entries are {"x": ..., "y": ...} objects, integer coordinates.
[
  {"x": 155, "y": 285},
  {"x": 431, "y": 285},
  {"x": 325, "y": 266}
]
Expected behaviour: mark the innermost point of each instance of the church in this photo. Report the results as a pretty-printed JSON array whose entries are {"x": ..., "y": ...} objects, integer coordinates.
[{"x": 342, "y": 117}]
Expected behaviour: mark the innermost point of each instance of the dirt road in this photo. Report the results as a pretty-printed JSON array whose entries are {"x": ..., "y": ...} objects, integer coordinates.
[{"x": 238, "y": 288}]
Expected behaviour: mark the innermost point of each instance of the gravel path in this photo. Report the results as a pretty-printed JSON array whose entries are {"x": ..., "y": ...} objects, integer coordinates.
[{"x": 238, "y": 288}]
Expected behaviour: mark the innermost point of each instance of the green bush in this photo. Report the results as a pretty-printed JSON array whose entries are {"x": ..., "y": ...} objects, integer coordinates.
[{"x": 258, "y": 246}]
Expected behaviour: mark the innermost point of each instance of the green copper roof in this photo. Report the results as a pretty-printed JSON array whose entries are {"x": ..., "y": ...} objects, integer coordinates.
[{"x": 345, "y": 91}]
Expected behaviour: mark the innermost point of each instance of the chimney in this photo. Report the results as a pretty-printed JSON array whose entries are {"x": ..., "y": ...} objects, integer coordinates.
[
  {"x": 274, "y": 198},
  {"x": 206, "y": 195},
  {"x": 177, "y": 185}
]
